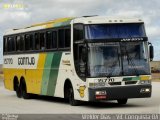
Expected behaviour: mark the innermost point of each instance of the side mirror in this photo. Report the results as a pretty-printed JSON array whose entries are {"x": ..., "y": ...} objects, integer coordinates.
[{"x": 151, "y": 52}]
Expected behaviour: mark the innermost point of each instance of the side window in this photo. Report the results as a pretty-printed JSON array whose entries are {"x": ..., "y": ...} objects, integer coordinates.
[
  {"x": 37, "y": 41},
  {"x": 5, "y": 44},
  {"x": 17, "y": 43},
  {"x": 31, "y": 47},
  {"x": 42, "y": 41},
  {"x": 61, "y": 38},
  {"x": 29, "y": 42},
  {"x": 9, "y": 47},
  {"x": 11, "y": 44},
  {"x": 78, "y": 32},
  {"x": 67, "y": 38},
  {"x": 48, "y": 40},
  {"x": 54, "y": 39},
  {"x": 22, "y": 43}
]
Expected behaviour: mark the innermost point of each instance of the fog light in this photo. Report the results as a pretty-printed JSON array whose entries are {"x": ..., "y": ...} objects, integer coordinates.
[{"x": 145, "y": 90}]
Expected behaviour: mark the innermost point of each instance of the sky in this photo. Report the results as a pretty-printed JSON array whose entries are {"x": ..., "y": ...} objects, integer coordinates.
[{"x": 22, "y": 13}]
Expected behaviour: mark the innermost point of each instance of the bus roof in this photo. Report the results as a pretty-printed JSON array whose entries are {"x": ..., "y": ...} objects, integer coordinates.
[
  {"x": 66, "y": 21},
  {"x": 107, "y": 20},
  {"x": 49, "y": 24}
]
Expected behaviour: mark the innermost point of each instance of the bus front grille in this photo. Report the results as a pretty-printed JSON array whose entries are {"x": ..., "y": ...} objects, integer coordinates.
[
  {"x": 130, "y": 82},
  {"x": 114, "y": 83}
]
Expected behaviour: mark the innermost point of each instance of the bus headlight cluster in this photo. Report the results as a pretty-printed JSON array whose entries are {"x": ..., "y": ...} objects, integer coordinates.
[
  {"x": 145, "y": 81},
  {"x": 145, "y": 90},
  {"x": 100, "y": 93}
]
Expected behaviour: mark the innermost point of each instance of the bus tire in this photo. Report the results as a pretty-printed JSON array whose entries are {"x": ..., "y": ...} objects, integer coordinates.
[
  {"x": 122, "y": 101},
  {"x": 72, "y": 101},
  {"x": 25, "y": 95},
  {"x": 18, "y": 92},
  {"x": 17, "y": 88}
]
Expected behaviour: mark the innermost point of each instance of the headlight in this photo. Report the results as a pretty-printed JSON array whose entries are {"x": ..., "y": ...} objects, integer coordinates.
[
  {"x": 100, "y": 93},
  {"x": 145, "y": 82},
  {"x": 145, "y": 90}
]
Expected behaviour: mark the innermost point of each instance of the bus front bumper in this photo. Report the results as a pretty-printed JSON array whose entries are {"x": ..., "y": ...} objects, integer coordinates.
[{"x": 120, "y": 92}]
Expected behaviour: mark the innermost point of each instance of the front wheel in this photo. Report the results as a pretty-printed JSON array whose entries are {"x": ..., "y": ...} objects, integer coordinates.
[
  {"x": 122, "y": 101},
  {"x": 72, "y": 101}
]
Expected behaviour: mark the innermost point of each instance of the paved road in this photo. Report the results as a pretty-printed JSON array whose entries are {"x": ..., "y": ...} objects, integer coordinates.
[{"x": 9, "y": 103}]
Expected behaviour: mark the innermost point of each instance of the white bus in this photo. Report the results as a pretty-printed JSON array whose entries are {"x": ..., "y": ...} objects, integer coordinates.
[{"x": 91, "y": 58}]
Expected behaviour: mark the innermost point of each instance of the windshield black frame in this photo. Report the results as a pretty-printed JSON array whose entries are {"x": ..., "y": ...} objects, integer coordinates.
[{"x": 85, "y": 42}]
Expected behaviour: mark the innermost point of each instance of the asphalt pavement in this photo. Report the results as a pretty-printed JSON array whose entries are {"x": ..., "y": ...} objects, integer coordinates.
[{"x": 9, "y": 103}]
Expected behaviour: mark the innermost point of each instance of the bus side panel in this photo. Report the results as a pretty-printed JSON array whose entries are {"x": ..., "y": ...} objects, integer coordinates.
[
  {"x": 46, "y": 73},
  {"x": 50, "y": 73},
  {"x": 66, "y": 71},
  {"x": 34, "y": 76},
  {"x": 8, "y": 78},
  {"x": 9, "y": 74}
]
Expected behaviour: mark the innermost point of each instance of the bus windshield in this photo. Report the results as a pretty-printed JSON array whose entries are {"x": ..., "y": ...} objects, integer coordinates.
[
  {"x": 106, "y": 31},
  {"x": 117, "y": 58}
]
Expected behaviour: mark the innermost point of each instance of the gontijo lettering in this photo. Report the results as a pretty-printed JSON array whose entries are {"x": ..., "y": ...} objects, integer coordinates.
[{"x": 26, "y": 61}]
